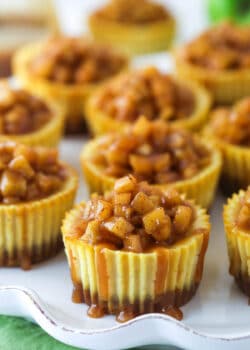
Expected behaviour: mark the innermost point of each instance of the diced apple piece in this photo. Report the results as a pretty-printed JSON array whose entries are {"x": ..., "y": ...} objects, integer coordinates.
[
  {"x": 141, "y": 164},
  {"x": 161, "y": 162},
  {"x": 164, "y": 231},
  {"x": 125, "y": 184},
  {"x": 142, "y": 127},
  {"x": 103, "y": 210},
  {"x": 25, "y": 151},
  {"x": 182, "y": 219},
  {"x": 153, "y": 220},
  {"x": 13, "y": 184},
  {"x": 172, "y": 197},
  {"x": 126, "y": 142},
  {"x": 156, "y": 200},
  {"x": 92, "y": 233},
  {"x": 122, "y": 198},
  {"x": 133, "y": 243},
  {"x": 118, "y": 226},
  {"x": 142, "y": 203},
  {"x": 21, "y": 166},
  {"x": 123, "y": 211},
  {"x": 145, "y": 149},
  {"x": 157, "y": 224},
  {"x": 116, "y": 156}
]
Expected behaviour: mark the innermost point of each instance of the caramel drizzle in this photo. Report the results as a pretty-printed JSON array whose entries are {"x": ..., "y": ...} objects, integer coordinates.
[
  {"x": 165, "y": 302},
  {"x": 162, "y": 267},
  {"x": 102, "y": 272}
]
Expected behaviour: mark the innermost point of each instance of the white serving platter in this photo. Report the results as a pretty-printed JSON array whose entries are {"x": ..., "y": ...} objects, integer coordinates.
[{"x": 218, "y": 317}]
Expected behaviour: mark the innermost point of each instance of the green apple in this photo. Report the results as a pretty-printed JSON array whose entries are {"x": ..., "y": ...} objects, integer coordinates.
[{"x": 235, "y": 10}]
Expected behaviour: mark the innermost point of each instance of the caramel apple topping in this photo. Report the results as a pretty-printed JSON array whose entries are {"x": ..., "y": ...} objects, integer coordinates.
[
  {"x": 20, "y": 112},
  {"x": 232, "y": 124},
  {"x": 152, "y": 151},
  {"x": 135, "y": 217},
  {"x": 70, "y": 60},
  {"x": 224, "y": 47},
  {"x": 130, "y": 11},
  {"x": 28, "y": 173},
  {"x": 243, "y": 218},
  {"x": 148, "y": 92}
]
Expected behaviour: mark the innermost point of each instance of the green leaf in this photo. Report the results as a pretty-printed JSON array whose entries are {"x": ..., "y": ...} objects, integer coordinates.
[{"x": 221, "y": 10}]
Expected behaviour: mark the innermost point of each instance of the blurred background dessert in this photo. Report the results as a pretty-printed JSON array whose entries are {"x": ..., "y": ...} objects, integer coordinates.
[
  {"x": 137, "y": 27},
  {"x": 22, "y": 21}
]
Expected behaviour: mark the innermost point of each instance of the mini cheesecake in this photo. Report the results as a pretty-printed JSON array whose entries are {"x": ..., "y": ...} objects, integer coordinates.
[
  {"x": 121, "y": 101},
  {"x": 135, "y": 250},
  {"x": 21, "y": 22},
  {"x": 229, "y": 129},
  {"x": 135, "y": 27},
  {"x": 156, "y": 152},
  {"x": 219, "y": 58},
  {"x": 29, "y": 120},
  {"x": 237, "y": 227},
  {"x": 67, "y": 70},
  {"x": 36, "y": 190}
]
